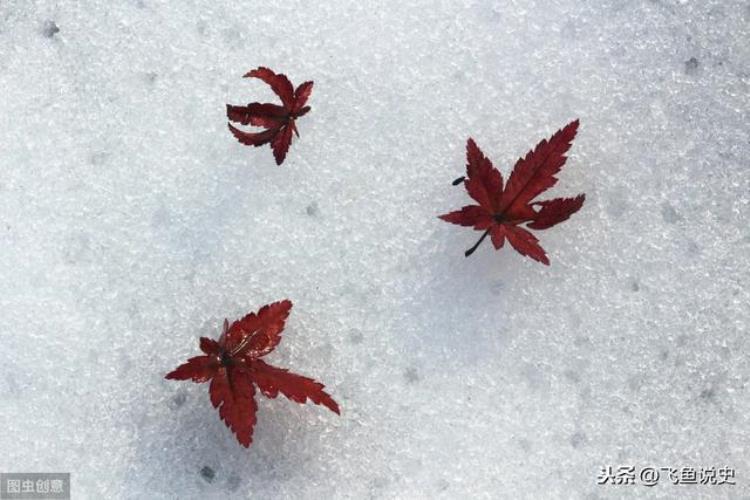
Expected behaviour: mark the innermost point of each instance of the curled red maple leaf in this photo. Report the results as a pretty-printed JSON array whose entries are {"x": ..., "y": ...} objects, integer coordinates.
[
  {"x": 278, "y": 121},
  {"x": 233, "y": 366},
  {"x": 501, "y": 211}
]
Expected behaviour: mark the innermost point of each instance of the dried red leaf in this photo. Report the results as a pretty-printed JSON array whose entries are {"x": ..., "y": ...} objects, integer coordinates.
[
  {"x": 234, "y": 368},
  {"x": 272, "y": 381},
  {"x": 500, "y": 211},
  {"x": 278, "y": 121}
]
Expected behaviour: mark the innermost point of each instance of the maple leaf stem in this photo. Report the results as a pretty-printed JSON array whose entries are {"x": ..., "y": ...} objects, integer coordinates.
[
  {"x": 458, "y": 181},
  {"x": 476, "y": 245}
]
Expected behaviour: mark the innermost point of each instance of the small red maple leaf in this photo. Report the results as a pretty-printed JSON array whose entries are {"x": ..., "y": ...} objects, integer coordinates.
[
  {"x": 234, "y": 367},
  {"x": 278, "y": 121},
  {"x": 501, "y": 212}
]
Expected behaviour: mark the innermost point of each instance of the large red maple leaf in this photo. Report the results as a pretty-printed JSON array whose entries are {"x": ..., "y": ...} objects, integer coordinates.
[
  {"x": 278, "y": 121},
  {"x": 501, "y": 211},
  {"x": 234, "y": 367}
]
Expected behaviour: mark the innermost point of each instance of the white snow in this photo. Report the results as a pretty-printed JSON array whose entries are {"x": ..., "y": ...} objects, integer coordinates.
[{"x": 132, "y": 223}]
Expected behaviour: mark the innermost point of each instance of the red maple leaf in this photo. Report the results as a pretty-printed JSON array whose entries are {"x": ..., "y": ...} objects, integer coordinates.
[
  {"x": 278, "y": 121},
  {"x": 500, "y": 212},
  {"x": 234, "y": 367}
]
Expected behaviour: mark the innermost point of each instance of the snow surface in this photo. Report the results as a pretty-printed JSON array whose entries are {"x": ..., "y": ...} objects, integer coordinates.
[{"x": 132, "y": 223}]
